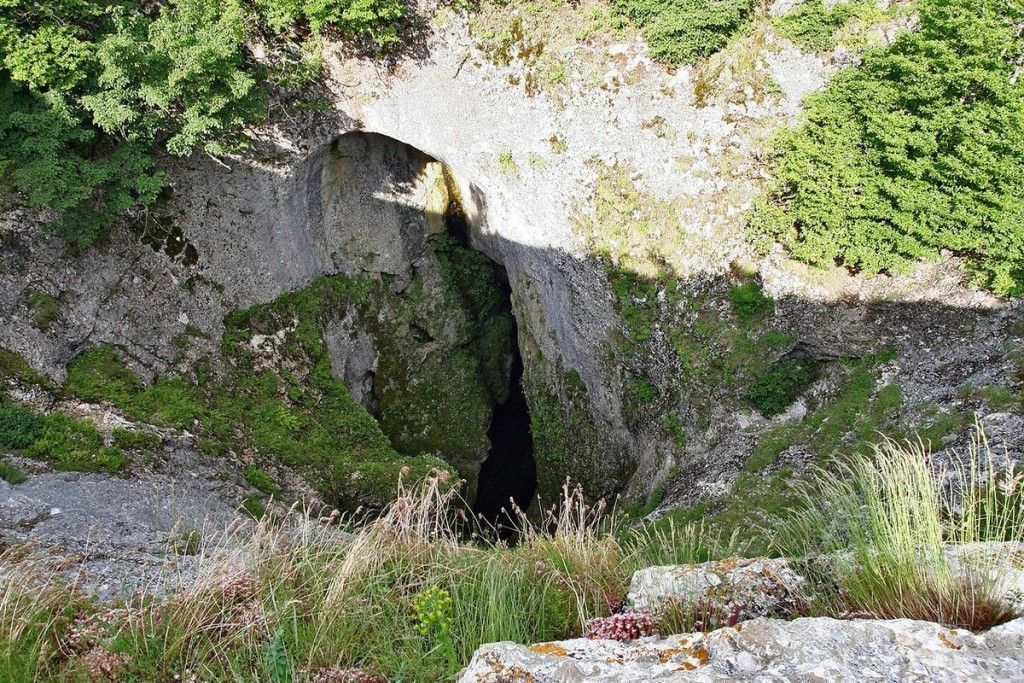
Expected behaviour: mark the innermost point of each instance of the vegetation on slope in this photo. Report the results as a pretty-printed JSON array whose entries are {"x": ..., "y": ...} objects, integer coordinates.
[
  {"x": 67, "y": 443},
  {"x": 408, "y": 598},
  {"x": 90, "y": 90},
  {"x": 680, "y": 32},
  {"x": 916, "y": 151},
  {"x": 442, "y": 347}
]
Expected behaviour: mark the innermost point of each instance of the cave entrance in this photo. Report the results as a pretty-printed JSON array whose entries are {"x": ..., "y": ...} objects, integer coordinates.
[{"x": 508, "y": 475}]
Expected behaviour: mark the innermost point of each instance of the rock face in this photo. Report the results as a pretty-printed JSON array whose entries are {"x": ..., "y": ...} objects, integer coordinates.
[
  {"x": 818, "y": 648},
  {"x": 116, "y": 536},
  {"x": 729, "y": 591},
  {"x": 631, "y": 387}
]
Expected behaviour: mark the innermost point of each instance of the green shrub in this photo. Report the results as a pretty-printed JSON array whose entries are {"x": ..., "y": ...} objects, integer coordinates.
[
  {"x": 76, "y": 445},
  {"x": 10, "y": 473},
  {"x": 915, "y": 151},
  {"x": 812, "y": 24},
  {"x": 67, "y": 443},
  {"x": 680, "y": 31},
  {"x": 775, "y": 390},
  {"x": 19, "y": 426},
  {"x": 57, "y": 161},
  {"x": 749, "y": 302},
  {"x": 261, "y": 481},
  {"x": 90, "y": 89}
]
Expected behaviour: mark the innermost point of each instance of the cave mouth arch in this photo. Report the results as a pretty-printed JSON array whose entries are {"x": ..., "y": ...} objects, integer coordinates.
[{"x": 382, "y": 179}]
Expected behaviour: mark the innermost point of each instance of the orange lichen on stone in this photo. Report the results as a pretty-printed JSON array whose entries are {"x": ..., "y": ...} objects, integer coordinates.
[
  {"x": 549, "y": 649},
  {"x": 687, "y": 666},
  {"x": 702, "y": 655},
  {"x": 516, "y": 675},
  {"x": 945, "y": 640},
  {"x": 668, "y": 653}
]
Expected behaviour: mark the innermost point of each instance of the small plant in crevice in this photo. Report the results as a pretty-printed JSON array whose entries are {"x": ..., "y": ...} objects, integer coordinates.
[
  {"x": 11, "y": 474},
  {"x": 507, "y": 163},
  {"x": 262, "y": 481},
  {"x": 621, "y": 627},
  {"x": 43, "y": 309},
  {"x": 776, "y": 389},
  {"x": 749, "y": 302}
]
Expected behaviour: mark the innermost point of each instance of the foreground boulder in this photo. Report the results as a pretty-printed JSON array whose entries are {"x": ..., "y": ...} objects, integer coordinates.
[
  {"x": 817, "y": 648},
  {"x": 727, "y": 591}
]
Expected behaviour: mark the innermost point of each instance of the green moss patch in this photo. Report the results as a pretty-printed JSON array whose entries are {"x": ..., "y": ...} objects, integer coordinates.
[
  {"x": 850, "y": 421},
  {"x": 43, "y": 308},
  {"x": 565, "y": 437},
  {"x": 63, "y": 441}
]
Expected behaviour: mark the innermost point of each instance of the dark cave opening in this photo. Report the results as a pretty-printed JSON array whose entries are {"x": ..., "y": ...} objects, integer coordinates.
[{"x": 508, "y": 476}]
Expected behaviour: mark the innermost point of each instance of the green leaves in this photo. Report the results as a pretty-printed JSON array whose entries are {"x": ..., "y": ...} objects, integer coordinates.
[
  {"x": 59, "y": 163},
  {"x": 917, "y": 150},
  {"x": 91, "y": 87},
  {"x": 679, "y": 31},
  {"x": 181, "y": 76}
]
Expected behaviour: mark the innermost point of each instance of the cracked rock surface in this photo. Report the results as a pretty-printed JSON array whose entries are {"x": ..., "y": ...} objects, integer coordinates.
[{"x": 809, "y": 649}]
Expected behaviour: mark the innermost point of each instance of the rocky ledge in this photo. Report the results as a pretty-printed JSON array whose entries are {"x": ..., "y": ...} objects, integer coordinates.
[{"x": 819, "y": 648}]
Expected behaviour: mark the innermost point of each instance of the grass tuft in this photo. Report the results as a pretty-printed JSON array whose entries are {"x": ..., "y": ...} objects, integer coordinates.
[{"x": 897, "y": 527}]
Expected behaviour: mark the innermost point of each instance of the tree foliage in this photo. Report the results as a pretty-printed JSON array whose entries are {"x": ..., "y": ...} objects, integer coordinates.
[
  {"x": 917, "y": 150},
  {"x": 91, "y": 88},
  {"x": 680, "y": 31}
]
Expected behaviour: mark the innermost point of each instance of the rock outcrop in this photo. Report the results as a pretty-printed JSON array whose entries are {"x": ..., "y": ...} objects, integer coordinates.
[
  {"x": 819, "y": 648},
  {"x": 729, "y": 590}
]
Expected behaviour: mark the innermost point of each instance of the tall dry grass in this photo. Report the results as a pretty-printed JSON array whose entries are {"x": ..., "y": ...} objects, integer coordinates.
[
  {"x": 405, "y": 596},
  {"x": 906, "y": 537}
]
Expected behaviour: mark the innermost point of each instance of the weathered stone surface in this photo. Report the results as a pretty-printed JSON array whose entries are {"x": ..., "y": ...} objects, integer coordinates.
[
  {"x": 734, "y": 589},
  {"x": 818, "y": 649}
]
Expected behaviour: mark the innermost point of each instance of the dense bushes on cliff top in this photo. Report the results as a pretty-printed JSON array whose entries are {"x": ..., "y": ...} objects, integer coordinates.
[
  {"x": 919, "y": 149},
  {"x": 915, "y": 151},
  {"x": 89, "y": 88}
]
